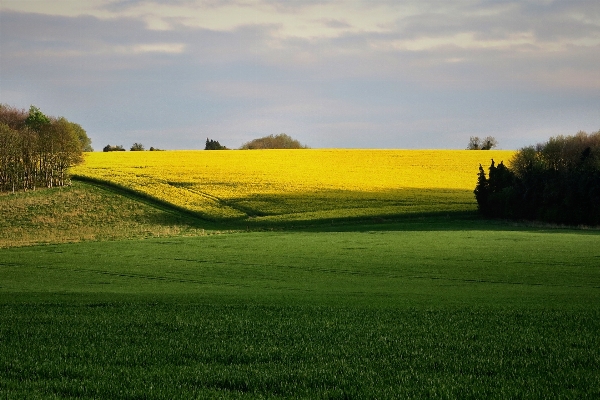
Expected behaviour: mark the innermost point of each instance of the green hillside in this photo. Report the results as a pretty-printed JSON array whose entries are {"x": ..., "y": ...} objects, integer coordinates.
[{"x": 87, "y": 212}]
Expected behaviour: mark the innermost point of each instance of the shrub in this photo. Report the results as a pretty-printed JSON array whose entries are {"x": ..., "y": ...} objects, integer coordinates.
[
  {"x": 281, "y": 141},
  {"x": 108, "y": 148}
]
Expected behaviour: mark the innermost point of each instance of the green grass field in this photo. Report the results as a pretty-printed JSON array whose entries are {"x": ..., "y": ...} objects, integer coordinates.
[{"x": 438, "y": 306}]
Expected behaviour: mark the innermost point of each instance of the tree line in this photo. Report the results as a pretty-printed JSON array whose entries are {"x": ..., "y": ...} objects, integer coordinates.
[
  {"x": 134, "y": 147},
  {"x": 36, "y": 150},
  {"x": 557, "y": 181},
  {"x": 281, "y": 141}
]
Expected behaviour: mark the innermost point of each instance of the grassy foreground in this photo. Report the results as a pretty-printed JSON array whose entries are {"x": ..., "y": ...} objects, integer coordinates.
[
  {"x": 107, "y": 295},
  {"x": 128, "y": 348},
  {"x": 427, "y": 307}
]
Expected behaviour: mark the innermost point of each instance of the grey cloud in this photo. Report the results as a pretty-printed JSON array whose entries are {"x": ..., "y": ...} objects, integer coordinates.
[
  {"x": 335, "y": 23},
  {"x": 326, "y": 91},
  {"x": 498, "y": 20},
  {"x": 121, "y": 5},
  {"x": 80, "y": 32},
  {"x": 30, "y": 40},
  {"x": 39, "y": 29}
]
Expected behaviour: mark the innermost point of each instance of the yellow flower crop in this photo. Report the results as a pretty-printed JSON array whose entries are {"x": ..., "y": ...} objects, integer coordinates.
[{"x": 298, "y": 184}]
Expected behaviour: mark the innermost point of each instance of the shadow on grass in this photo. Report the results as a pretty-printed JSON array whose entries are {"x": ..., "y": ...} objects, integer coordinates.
[
  {"x": 444, "y": 220},
  {"x": 172, "y": 215}
]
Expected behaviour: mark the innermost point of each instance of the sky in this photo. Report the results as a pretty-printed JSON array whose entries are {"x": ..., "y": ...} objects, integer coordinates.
[{"x": 391, "y": 74}]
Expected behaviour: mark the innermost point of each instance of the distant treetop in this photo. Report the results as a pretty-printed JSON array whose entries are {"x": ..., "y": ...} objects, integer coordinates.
[
  {"x": 214, "y": 145},
  {"x": 281, "y": 141},
  {"x": 109, "y": 147},
  {"x": 475, "y": 143}
]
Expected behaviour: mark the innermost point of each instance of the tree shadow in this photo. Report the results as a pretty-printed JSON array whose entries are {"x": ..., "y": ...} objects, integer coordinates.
[{"x": 457, "y": 212}]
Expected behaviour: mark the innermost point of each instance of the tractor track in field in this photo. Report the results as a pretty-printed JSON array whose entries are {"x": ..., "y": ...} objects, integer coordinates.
[
  {"x": 136, "y": 275},
  {"x": 347, "y": 272}
]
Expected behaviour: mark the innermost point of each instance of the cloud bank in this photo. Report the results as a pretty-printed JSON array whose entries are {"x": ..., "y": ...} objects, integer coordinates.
[{"x": 372, "y": 74}]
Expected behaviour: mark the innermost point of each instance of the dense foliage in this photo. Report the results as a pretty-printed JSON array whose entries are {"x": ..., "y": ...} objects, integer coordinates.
[
  {"x": 281, "y": 141},
  {"x": 137, "y": 147},
  {"x": 557, "y": 181},
  {"x": 36, "y": 150},
  {"x": 214, "y": 145}
]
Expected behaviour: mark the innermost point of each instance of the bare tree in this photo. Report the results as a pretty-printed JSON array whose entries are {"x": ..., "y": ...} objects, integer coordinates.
[
  {"x": 489, "y": 143},
  {"x": 475, "y": 143}
]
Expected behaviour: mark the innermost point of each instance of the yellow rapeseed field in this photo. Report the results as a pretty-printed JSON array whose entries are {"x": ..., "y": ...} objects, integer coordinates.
[{"x": 298, "y": 184}]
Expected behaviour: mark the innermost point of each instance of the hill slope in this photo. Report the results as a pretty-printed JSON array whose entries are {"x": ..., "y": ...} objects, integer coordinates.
[{"x": 86, "y": 212}]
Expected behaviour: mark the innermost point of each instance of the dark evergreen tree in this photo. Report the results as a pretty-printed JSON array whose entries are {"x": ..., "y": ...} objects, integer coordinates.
[
  {"x": 482, "y": 192},
  {"x": 213, "y": 145},
  {"x": 557, "y": 181}
]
